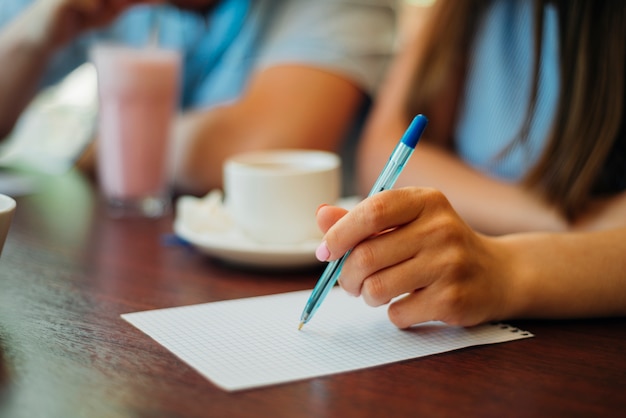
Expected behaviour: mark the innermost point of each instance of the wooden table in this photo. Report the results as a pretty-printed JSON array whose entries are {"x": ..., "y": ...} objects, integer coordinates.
[{"x": 68, "y": 272}]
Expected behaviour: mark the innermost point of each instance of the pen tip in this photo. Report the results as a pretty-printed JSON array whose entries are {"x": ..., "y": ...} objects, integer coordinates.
[{"x": 300, "y": 326}]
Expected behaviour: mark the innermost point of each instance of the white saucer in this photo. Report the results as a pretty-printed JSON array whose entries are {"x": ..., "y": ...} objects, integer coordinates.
[
  {"x": 204, "y": 223},
  {"x": 233, "y": 247}
]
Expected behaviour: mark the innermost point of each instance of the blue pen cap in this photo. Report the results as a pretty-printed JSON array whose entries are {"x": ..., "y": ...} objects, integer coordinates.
[{"x": 414, "y": 131}]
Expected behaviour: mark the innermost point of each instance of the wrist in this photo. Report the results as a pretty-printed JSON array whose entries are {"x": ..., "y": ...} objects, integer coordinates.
[{"x": 516, "y": 277}]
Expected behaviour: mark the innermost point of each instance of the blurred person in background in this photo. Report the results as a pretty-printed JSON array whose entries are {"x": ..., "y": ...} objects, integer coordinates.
[{"x": 257, "y": 74}]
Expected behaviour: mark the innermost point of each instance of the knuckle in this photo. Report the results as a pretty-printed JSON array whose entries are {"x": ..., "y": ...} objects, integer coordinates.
[
  {"x": 362, "y": 257},
  {"x": 348, "y": 286},
  {"x": 434, "y": 197},
  {"x": 451, "y": 298},
  {"x": 376, "y": 212},
  {"x": 452, "y": 304},
  {"x": 446, "y": 227},
  {"x": 374, "y": 291},
  {"x": 457, "y": 263}
]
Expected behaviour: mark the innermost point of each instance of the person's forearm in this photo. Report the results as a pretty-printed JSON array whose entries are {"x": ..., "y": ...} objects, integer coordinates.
[
  {"x": 268, "y": 116},
  {"x": 488, "y": 205},
  {"x": 567, "y": 275},
  {"x": 24, "y": 52},
  {"x": 603, "y": 213},
  {"x": 204, "y": 139}
]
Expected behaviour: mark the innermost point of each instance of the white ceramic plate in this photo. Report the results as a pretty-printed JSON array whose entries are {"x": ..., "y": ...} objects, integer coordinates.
[{"x": 217, "y": 237}]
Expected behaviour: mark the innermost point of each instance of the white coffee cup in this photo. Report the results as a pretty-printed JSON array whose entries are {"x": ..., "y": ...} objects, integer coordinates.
[
  {"x": 272, "y": 195},
  {"x": 7, "y": 208}
]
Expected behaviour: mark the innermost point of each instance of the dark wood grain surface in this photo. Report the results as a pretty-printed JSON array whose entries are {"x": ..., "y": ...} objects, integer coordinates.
[{"x": 68, "y": 271}]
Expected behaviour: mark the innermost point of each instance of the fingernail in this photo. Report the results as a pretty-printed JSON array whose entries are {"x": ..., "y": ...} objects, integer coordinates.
[
  {"x": 319, "y": 207},
  {"x": 322, "y": 253}
]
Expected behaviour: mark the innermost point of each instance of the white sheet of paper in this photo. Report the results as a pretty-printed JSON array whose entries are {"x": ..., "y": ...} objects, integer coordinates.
[{"x": 246, "y": 343}]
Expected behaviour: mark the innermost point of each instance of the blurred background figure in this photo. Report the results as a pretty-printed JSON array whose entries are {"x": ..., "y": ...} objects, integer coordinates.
[
  {"x": 256, "y": 74},
  {"x": 524, "y": 115}
]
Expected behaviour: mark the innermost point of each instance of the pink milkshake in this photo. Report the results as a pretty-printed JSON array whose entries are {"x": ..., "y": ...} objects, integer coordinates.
[{"x": 138, "y": 93}]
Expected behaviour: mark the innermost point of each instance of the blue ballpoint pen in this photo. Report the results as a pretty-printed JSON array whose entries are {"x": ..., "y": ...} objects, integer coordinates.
[{"x": 386, "y": 180}]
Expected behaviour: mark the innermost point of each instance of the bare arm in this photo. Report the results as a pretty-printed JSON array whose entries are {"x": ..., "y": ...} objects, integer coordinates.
[{"x": 286, "y": 106}]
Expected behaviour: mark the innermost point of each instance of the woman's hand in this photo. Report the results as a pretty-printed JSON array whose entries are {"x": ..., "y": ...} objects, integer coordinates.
[{"x": 410, "y": 248}]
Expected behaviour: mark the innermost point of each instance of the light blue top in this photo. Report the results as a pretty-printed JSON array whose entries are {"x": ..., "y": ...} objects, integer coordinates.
[
  {"x": 499, "y": 88},
  {"x": 222, "y": 49}
]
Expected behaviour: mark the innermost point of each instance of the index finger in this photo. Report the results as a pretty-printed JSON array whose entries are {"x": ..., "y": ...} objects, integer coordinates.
[{"x": 380, "y": 212}]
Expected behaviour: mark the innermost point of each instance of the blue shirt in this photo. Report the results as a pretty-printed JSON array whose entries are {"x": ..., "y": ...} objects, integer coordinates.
[
  {"x": 222, "y": 49},
  {"x": 499, "y": 87}
]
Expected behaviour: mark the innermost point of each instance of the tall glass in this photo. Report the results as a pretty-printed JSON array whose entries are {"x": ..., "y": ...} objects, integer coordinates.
[
  {"x": 138, "y": 92},
  {"x": 7, "y": 208}
]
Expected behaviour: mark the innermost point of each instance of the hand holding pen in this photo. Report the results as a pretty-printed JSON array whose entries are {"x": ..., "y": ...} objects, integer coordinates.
[{"x": 385, "y": 181}]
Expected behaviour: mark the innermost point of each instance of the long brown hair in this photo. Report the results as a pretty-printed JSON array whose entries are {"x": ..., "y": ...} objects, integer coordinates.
[{"x": 585, "y": 151}]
